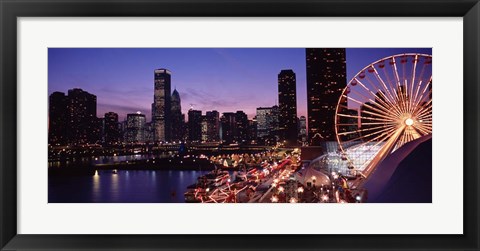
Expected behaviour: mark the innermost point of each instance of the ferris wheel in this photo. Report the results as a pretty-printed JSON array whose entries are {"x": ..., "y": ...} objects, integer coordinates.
[{"x": 384, "y": 106}]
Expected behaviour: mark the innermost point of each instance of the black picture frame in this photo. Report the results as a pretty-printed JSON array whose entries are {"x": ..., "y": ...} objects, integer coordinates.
[{"x": 10, "y": 10}]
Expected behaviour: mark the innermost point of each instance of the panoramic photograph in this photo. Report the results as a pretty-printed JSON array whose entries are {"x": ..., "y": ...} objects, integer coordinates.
[{"x": 239, "y": 125}]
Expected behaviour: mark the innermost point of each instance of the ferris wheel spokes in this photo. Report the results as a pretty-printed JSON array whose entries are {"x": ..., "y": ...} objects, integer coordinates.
[{"x": 393, "y": 107}]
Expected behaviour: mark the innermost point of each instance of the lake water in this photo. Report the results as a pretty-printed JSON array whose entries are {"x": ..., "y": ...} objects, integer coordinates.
[{"x": 127, "y": 186}]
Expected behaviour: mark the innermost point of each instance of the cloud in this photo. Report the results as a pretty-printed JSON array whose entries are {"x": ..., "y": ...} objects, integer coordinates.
[{"x": 206, "y": 99}]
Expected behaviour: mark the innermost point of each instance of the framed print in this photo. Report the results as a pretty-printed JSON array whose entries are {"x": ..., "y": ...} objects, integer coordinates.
[{"x": 239, "y": 125}]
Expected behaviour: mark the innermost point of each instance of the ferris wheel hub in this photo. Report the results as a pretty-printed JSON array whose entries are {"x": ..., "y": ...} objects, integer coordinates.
[{"x": 409, "y": 122}]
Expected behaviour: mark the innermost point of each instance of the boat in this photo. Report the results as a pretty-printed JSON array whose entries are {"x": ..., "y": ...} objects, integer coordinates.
[
  {"x": 216, "y": 178},
  {"x": 205, "y": 184},
  {"x": 194, "y": 193},
  {"x": 246, "y": 174}
]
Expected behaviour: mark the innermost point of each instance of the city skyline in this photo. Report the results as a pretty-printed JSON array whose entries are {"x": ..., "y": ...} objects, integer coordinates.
[
  {"x": 130, "y": 90},
  {"x": 378, "y": 120}
]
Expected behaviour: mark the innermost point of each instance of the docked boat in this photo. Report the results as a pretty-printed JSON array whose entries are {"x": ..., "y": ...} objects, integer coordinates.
[
  {"x": 194, "y": 193},
  {"x": 247, "y": 174},
  {"x": 205, "y": 184},
  {"x": 216, "y": 178}
]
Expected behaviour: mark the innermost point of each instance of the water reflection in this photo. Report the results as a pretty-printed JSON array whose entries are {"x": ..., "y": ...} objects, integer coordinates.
[
  {"x": 126, "y": 186},
  {"x": 96, "y": 187}
]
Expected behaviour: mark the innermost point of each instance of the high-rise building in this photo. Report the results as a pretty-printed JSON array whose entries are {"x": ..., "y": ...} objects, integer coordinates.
[
  {"x": 111, "y": 134},
  {"x": 229, "y": 131},
  {"x": 149, "y": 132},
  {"x": 204, "y": 125},
  {"x": 326, "y": 79},
  {"x": 252, "y": 129},
  {"x": 241, "y": 126},
  {"x": 213, "y": 126},
  {"x": 287, "y": 103},
  {"x": 262, "y": 121},
  {"x": 57, "y": 111},
  {"x": 161, "y": 107},
  {"x": 274, "y": 121},
  {"x": 267, "y": 121},
  {"x": 82, "y": 122},
  {"x": 177, "y": 117},
  {"x": 194, "y": 125},
  {"x": 135, "y": 132},
  {"x": 303, "y": 128}
]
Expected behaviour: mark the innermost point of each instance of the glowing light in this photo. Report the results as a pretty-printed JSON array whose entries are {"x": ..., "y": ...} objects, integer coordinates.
[
  {"x": 325, "y": 197},
  {"x": 409, "y": 122},
  {"x": 274, "y": 199},
  {"x": 281, "y": 189},
  {"x": 300, "y": 190},
  {"x": 293, "y": 200}
]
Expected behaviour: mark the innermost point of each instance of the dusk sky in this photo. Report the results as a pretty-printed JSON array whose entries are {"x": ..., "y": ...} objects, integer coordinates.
[{"x": 220, "y": 79}]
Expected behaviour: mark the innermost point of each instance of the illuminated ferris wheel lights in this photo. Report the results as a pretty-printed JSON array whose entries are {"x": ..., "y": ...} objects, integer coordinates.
[
  {"x": 409, "y": 122},
  {"x": 386, "y": 105}
]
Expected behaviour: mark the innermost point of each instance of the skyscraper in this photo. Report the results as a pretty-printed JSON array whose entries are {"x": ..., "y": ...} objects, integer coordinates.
[
  {"x": 82, "y": 122},
  {"x": 57, "y": 126},
  {"x": 241, "y": 126},
  {"x": 252, "y": 129},
  {"x": 135, "y": 132},
  {"x": 177, "y": 117},
  {"x": 213, "y": 126},
  {"x": 263, "y": 122},
  {"x": 287, "y": 102},
  {"x": 303, "y": 128},
  {"x": 267, "y": 121},
  {"x": 161, "y": 107},
  {"x": 194, "y": 125},
  {"x": 204, "y": 125},
  {"x": 229, "y": 131},
  {"x": 110, "y": 128},
  {"x": 326, "y": 79}
]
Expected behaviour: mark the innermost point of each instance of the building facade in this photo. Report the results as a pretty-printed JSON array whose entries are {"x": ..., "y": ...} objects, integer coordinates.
[
  {"x": 302, "y": 128},
  {"x": 57, "y": 126},
  {"x": 135, "y": 128},
  {"x": 178, "y": 120},
  {"x": 84, "y": 125},
  {"x": 287, "y": 104},
  {"x": 267, "y": 121},
  {"x": 326, "y": 79},
  {"x": 111, "y": 133},
  {"x": 161, "y": 107},
  {"x": 228, "y": 121},
  {"x": 241, "y": 126},
  {"x": 213, "y": 126},
  {"x": 194, "y": 125}
]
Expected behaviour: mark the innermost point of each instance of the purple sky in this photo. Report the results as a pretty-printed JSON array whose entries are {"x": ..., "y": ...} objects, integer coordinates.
[{"x": 220, "y": 79}]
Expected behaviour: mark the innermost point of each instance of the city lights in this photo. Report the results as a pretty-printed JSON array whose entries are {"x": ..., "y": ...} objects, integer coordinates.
[{"x": 204, "y": 131}]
